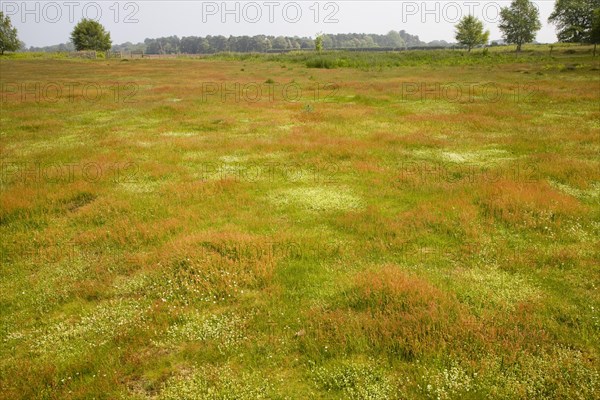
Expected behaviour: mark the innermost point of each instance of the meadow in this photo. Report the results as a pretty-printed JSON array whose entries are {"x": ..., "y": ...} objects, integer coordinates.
[{"x": 414, "y": 225}]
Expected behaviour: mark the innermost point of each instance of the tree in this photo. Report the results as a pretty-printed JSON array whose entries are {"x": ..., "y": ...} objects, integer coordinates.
[
  {"x": 203, "y": 46},
  {"x": 260, "y": 43},
  {"x": 280, "y": 43},
  {"x": 393, "y": 39},
  {"x": 319, "y": 42},
  {"x": 369, "y": 42},
  {"x": 189, "y": 45},
  {"x": 90, "y": 35},
  {"x": 594, "y": 36},
  {"x": 469, "y": 32},
  {"x": 573, "y": 19},
  {"x": 219, "y": 43},
  {"x": 8, "y": 35},
  {"x": 519, "y": 22}
]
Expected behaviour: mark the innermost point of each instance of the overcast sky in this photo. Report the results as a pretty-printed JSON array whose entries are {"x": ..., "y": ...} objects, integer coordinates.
[{"x": 43, "y": 23}]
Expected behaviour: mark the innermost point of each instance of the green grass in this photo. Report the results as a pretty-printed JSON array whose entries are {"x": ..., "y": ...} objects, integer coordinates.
[
  {"x": 332, "y": 59},
  {"x": 370, "y": 236}
]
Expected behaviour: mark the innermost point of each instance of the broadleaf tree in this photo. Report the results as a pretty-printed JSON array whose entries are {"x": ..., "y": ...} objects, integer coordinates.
[
  {"x": 8, "y": 35},
  {"x": 573, "y": 19},
  {"x": 90, "y": 35},
  {"x": 470, "y": 33},
  {"x": 520, "y": 22}
]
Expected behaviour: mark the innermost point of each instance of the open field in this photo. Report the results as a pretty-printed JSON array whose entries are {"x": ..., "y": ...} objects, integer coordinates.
[{"x": 412, "y": 226}]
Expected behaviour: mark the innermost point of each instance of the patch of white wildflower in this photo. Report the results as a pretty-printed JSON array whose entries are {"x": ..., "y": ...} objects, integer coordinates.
[
  {"x": 558, "y": 373},
  {"x": 318, "y": 198},
  {"x": 66, "y": 339},
  {"x": 354, "y": 381},
  {"x": 590, "y": 194},
  {"x": 449, "y": 383},
  {"x": 228, "y": 330},
  {"x": 211, "y": 383},
  {"x": 493, "y": 287}
]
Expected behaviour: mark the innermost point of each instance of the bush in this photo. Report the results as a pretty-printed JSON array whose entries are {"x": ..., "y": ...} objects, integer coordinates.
[{"x": 322, "y": 62}]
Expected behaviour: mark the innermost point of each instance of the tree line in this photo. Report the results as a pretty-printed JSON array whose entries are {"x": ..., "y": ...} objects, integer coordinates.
[
  {"x": 265, "y": 43},
  {"x": 575, "y": 20}
]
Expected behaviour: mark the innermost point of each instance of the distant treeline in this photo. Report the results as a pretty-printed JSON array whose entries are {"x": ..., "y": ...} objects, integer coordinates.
[
  {"x": 63, "y": 47},
  {"x": 262, "y": 43}
]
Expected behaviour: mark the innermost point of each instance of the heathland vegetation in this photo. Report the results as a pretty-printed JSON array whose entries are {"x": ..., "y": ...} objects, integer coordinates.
[
  {"x": 248, "y": 227},
  {"x": 309, "y": 225}
]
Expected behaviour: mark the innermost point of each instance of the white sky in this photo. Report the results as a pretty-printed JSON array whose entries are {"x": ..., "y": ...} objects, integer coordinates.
[{"x": 43, "y": 23}]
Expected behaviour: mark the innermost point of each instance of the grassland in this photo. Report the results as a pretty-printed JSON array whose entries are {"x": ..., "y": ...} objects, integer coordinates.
[{"x": 409, "y": 226}]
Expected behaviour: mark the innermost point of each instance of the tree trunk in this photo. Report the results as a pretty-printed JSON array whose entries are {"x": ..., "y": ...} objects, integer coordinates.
[
  {"x": 595, "y": 44},
  {"x": 518, "y": 47}
]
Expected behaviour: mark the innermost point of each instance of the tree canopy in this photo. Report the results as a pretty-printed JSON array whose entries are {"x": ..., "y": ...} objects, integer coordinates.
[
  {"x": 8, "y": 35},
  {"x": 573, "y": 19},
  {"x": 520, "y": 22},
  {"x": 90, "y": 35},
  {"x": 261, "y": 43},
  {"x": 469, "y": 32}
]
